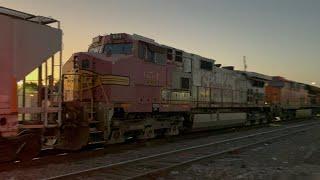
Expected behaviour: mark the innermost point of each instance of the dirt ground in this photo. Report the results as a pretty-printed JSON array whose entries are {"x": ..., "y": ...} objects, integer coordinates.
[{"x": 294, "y": 157}]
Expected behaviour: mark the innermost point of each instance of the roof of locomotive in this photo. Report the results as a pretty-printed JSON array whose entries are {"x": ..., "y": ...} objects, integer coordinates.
[
  {"x": 283, "y": 79},
  {"x": 279, "y": 81},
  {"x": 313, "y": 89},
  {"x": 152, "y": 41},
  {"x": 256, "y": 75},
  {"x": 137, "y": 37}
]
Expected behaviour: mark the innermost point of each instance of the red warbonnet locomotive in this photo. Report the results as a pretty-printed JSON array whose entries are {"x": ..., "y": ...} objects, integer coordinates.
[{"x": 130, "y": 86}]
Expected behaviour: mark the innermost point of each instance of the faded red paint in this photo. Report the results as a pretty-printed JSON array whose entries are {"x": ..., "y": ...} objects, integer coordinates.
[{"x": 146, "y": 79}]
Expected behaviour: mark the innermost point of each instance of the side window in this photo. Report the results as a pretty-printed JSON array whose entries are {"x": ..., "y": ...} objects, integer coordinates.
[
  {"x": 161, "y": 58},
  {"x": 85, "y": 64},
  {"x": 206, "y": 65},
  {"x": 152, "y": 53},
  {"x": 169, "y": 54},
  {"x": 75, "y": 63},
  {"x": 142, "y": 51},
  {"x": 185, "y": 83},
  {"x": 178, "y": 56},
  {"x": 187, "y": 65}
]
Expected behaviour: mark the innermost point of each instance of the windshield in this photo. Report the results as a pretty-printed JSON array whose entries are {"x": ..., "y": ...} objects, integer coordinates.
[
  {"x": 118, "y": 49},
  {"x": 95, "y": 49}
]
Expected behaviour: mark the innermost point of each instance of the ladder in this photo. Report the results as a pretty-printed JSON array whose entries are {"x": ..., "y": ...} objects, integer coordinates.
[{"x": 96, "y": 132}]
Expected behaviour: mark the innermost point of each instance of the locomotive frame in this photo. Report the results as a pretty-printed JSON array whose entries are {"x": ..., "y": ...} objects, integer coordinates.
[{"x": 147, "y": 89}]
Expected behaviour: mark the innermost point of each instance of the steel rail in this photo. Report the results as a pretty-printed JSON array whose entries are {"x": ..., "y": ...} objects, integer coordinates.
[
  {"x": 77, "y": 173},
  {"x": 213, "y": 154}
]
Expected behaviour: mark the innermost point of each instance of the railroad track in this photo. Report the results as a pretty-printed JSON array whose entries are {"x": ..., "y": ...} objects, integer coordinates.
[
  {"x": 150, "y": 165},
  {"x": 53, "y": 156}
]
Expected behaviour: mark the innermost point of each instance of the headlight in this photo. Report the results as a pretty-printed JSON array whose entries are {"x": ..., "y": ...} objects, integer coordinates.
[{"x": 3, "y": 121}]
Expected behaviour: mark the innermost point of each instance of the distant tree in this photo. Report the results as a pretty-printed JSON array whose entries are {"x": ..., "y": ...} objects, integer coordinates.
[{"x": 31, "y": 86}]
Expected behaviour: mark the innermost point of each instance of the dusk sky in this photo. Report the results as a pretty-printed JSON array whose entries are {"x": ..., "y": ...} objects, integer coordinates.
[{"x": 279, "y": 37}]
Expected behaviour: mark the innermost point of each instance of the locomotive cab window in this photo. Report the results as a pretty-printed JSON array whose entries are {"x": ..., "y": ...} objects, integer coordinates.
[
  {"x": 151, "y": 53},
  {"x": 85, "y": 64},
  {"x": 206, "y": 65},
  {"x": 76, "y": 63},
  {"x": 97, "y": 49},
  {"x": 118, "y": 49}
]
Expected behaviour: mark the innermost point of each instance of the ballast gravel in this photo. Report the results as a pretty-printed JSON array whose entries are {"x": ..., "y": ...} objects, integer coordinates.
[{"x": 293, "y": 157}]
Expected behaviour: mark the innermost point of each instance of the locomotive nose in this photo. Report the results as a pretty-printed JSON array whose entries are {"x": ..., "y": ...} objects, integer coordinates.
[{"x": 92, "y": 62}]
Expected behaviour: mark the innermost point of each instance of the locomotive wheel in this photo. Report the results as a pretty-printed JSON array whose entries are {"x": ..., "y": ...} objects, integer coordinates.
[
  {"x": 172, "y": 131},
  {"x": 148, "y": 133},
  {"x": 29, "y": 147},
  {"x": 73, "y": 137},
  {"x": 116, "y": 136}
]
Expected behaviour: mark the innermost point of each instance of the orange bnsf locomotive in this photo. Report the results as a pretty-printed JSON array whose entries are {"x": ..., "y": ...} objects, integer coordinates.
[{"x": 130, "y": 86}]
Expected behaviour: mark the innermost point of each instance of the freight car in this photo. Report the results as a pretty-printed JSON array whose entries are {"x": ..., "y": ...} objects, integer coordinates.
[
  {"x": 130, "y": 86},
  {"x": 27, "y": 41}
]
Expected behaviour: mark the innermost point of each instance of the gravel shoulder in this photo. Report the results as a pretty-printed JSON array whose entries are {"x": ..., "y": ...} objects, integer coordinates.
[{"x": 293, "y": 157}]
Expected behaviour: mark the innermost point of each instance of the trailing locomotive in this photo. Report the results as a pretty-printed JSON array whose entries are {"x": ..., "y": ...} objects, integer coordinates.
[
  {"x": 291, "y": 99},
  {"x": 130, "y": 86}
]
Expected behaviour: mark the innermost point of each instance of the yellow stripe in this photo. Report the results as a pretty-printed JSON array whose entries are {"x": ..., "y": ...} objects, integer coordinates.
[
  {"x": 115, "y": 80},
  {"x": 110, "y": 79}
]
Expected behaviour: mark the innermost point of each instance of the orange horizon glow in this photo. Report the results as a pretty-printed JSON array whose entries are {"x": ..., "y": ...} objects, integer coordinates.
[{"x": 278, "y": 38}]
